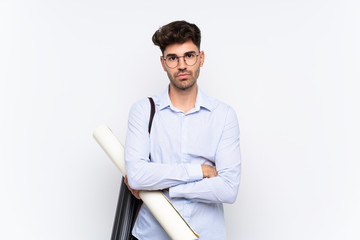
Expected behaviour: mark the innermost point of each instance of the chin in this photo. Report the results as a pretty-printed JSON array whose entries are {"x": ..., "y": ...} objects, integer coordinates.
[{"x": 183, "y": 84}]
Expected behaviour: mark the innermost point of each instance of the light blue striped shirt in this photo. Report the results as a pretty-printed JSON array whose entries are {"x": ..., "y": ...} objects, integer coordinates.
[{"x": 179, "y": 143}]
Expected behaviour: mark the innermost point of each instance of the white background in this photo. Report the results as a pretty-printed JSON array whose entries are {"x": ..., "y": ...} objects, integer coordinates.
[{"x": 290, "y": 69}]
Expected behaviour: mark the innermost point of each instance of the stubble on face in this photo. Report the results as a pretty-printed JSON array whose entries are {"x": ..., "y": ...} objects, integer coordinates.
[{"x": 184, "y": 83}]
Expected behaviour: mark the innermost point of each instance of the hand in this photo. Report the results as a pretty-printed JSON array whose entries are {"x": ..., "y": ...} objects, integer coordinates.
[
  {"x": 133, "y": 191},
  {"x": 208, "y": 171}
]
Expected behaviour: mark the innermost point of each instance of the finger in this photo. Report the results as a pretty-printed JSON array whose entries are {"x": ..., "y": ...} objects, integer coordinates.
[
  {"x": 127, "y": 184},
  {"x": 137, "y": 195}
]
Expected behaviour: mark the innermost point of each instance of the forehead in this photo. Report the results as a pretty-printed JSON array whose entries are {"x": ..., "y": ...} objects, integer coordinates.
[{"x": 180, "y": 48}]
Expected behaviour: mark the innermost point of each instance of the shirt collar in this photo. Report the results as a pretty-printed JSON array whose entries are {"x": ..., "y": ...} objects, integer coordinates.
[{"x": 202, "y": 101}]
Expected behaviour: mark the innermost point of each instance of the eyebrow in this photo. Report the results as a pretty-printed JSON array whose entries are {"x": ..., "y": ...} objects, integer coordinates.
[{"x": 174, "y": 55}]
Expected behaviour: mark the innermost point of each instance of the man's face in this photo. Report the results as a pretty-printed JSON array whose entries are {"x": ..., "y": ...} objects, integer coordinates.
[{"x": 183, "y": 76}]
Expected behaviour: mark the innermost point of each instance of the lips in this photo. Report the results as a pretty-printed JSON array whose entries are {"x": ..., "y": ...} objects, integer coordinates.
[{"x": 183, "y": 75}]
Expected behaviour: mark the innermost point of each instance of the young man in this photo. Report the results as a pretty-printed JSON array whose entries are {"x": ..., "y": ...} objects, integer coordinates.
[{"x": 193, "y": 145}]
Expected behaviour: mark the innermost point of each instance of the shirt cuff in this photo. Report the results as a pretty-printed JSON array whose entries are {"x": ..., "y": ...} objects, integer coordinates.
[{"x": 194, "y": 171}]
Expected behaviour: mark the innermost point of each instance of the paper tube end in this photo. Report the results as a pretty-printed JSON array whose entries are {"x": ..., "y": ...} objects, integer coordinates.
[{"x": 100, "y": 128}]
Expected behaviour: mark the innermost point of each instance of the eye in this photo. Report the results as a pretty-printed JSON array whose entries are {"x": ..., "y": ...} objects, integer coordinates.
[
  {"x": 190, "y": 55},
  {"x": 171, "y": 58}
]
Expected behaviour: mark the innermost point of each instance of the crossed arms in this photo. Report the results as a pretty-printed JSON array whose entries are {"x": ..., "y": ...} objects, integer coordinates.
[{"x": 214, "y": 181}]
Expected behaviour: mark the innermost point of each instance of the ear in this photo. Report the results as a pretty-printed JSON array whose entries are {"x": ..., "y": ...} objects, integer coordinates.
[
  {"x": 162, "y": 63},
  {"x": 202, "y": 58}
]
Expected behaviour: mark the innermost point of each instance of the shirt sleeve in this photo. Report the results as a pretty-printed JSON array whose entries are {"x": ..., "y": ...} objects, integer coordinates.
[
  {"x": 142, "y": 173},
  {"x": 224, "y": 187}
]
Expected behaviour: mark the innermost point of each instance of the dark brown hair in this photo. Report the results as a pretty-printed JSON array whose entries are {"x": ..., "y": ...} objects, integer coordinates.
[{"x": 176, "y": 32}]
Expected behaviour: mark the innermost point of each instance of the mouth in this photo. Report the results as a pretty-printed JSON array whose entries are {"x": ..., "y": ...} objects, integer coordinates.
[{"x": 183, "y": 75}]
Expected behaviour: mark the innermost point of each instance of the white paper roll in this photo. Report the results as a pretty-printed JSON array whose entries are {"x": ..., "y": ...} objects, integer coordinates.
[{"x": 162, "y": 209}]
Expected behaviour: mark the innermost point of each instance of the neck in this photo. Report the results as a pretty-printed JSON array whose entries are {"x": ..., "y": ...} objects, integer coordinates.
[{"x": 183, "y": 99}]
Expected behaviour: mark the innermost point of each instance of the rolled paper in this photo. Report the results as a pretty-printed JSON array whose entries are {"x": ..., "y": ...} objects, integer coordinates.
[
  {"x": 161, "y": 208},
  {"x": 111, "y": 145}
]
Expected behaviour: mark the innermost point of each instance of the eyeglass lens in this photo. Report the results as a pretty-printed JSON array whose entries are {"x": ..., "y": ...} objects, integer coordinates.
[{"x": 190, "y": 59}]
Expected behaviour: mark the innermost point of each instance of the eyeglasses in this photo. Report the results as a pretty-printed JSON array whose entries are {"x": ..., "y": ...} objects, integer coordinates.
[{"x": 172, "y": 61}]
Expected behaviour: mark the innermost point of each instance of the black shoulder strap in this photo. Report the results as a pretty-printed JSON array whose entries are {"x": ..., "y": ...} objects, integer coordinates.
[{"x": 152, "y": 113}]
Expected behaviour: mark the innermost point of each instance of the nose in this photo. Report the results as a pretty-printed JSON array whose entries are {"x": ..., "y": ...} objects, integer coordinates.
[{"x": 182, "y": 64}]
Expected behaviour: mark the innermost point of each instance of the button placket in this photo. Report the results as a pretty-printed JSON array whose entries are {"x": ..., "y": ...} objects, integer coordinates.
[{"x": 184, "y": 139}]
